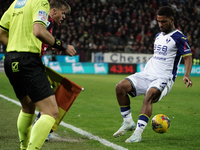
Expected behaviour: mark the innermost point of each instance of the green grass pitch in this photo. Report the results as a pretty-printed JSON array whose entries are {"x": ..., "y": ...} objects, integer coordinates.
[{"x": 96, "y": 111}]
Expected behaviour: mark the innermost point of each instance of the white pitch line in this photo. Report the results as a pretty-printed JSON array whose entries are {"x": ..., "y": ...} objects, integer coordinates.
[{"x": 75, "y": 129}]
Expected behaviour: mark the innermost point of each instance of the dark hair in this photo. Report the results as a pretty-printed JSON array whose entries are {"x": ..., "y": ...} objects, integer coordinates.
[
  {"x": 59, "y": 3},
  {"x": 166, "y": 11}
]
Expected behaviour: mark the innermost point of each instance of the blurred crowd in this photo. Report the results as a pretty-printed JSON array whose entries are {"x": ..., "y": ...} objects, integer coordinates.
[{"x": 122, "y": 25}]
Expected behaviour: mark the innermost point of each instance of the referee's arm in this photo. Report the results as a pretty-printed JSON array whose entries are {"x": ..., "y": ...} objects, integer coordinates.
[
  {"x": 3, "y": 37},
  {"x": 43, "y": 34}
]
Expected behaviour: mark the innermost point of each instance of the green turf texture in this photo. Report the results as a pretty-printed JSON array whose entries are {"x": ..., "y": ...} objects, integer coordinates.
[{"x": 96, "y": 111}]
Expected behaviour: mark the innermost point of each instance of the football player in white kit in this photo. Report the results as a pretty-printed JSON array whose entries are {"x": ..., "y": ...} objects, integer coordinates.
[{"x": 158, "y": 77}]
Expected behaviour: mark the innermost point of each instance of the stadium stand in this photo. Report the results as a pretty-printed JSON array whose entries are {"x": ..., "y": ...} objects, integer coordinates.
[{"x": 121, "y": 25}]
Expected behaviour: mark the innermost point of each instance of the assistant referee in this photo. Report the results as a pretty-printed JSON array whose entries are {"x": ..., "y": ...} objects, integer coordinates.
[{"x": 22, "y": 30}]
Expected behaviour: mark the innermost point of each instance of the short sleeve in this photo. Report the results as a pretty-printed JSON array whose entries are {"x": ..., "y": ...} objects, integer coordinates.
[
  {"x": 40, "y": 12},
  {"x": 5, "y": 21},
  {"x": 183, "y": 46}
]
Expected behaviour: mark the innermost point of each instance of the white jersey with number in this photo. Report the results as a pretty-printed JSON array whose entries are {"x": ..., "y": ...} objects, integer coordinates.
[{"x": 168, "y": 51}]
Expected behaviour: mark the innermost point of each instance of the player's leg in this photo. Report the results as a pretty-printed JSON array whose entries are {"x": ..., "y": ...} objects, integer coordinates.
[
  {"x": 122, "y": 88},
  {"x": 49, "y": 112},
  {"x": 134, "y": 85},
  {"x": 157, "y": 89},
  {"x": 38, "y": 116},
  {"x": 24, "y": 121},
  {"x": 151, "y": 97}
]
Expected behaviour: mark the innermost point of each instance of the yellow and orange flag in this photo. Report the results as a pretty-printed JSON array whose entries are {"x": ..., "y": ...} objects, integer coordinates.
[{"x": 66, "y": 92}]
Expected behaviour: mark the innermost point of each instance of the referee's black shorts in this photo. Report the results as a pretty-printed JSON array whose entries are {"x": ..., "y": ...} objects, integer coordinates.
[{"x": 26, "y": 73}]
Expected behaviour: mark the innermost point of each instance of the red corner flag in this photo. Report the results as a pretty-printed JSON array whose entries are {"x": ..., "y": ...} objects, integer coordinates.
[{"x": 66, "y": 92}]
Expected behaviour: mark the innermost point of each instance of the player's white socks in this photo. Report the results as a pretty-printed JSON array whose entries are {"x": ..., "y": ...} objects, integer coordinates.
[
  {"x": 141, "y": 124},
  {"x": 126, "y": 114}
]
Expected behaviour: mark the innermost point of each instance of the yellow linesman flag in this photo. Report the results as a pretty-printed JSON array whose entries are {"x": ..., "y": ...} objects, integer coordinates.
[{"x": 66, "y": 92}]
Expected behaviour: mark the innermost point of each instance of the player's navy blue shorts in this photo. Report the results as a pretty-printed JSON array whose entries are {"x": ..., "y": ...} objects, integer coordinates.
[{"x": 26, "y": 73}]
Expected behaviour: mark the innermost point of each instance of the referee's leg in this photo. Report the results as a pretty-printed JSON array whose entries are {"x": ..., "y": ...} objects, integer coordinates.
[
  {"x": 48, "y": 106},
  {"x": 49, "y": 112},
  {"x": 24, "y": 121}
]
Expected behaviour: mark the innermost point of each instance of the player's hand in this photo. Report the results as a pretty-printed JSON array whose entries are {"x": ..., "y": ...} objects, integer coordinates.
[
  {"x": 187, "y": 81},
  {"x": 70, "y": 50}
]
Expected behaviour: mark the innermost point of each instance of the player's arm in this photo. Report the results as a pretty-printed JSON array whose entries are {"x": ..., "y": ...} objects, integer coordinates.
[
  {"x": 185, "y": 51},
  {"x": 43, "y": 34},
  {"x": 188, "y": 68},
  {"x": 3, "y": 37}
]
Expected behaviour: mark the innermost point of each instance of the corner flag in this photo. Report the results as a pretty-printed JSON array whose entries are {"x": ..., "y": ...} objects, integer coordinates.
[{"x": 66, "y": 92}]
